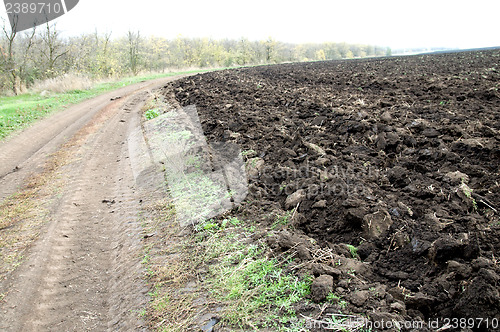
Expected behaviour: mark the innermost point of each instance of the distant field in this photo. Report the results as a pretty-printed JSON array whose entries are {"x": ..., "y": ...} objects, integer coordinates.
[{"x": 19, "y": 111}]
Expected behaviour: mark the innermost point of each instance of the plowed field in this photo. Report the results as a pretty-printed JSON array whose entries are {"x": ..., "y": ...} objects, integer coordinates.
[{"x": 389, "y": 167}]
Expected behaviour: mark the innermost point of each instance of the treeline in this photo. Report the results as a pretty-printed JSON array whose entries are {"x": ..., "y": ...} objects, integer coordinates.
[{"x": 43, "y": 53}]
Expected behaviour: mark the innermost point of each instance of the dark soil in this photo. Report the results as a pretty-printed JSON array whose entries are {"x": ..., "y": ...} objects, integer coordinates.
[{"x": 396, "y": 156}]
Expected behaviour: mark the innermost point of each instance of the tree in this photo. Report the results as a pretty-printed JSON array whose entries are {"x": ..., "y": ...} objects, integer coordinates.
[
  {"x": 106, "y": 63},
  {"x": 34, "y": 55},
  {"x": 320, "y": 55},
  {"x": 157, "y": 51},
  {"x": 9, "y": 62},
  {"x": 270, "y": 49},
  {"x": 134, "y": 46},
  {"x": 370, "y": 50},
  {"x": 244, "y": 52},
  {"x": 52, "y": 50},
  {"x": 14, "y": 63}
]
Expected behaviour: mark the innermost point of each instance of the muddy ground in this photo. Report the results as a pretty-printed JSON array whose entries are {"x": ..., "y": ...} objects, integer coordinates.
[{"x": 398, "y": 157}]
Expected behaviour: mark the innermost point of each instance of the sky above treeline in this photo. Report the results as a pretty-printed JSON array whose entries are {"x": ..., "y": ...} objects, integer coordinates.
[{"x": 396, "y": 24}]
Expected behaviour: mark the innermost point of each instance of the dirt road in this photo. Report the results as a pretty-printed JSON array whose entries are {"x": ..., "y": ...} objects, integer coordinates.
[{"x": 84, "y": 271}]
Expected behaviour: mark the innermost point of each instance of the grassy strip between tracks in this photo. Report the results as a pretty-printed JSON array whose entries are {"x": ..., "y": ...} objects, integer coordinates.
[{"x": 19, "y": 111}]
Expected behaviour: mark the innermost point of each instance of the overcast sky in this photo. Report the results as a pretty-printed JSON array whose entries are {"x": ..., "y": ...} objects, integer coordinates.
[{"x": 403, "y": 23}]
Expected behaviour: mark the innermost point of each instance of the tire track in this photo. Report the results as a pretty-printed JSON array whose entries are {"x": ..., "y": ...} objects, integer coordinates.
[{"x": 84, "y": 273}]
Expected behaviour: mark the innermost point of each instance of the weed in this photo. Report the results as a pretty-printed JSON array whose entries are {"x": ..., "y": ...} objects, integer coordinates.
[
  {"x": 282, "y": 220},
  {"x": 468, "y": 193},
  {"x": 141, "y": 313},
  {"x": 248, "y": 152},
  {"x": 151, "y": 114},
  {"x": 332, "y": 298},
  {"x": 353, "y": 250},
  {"x": 211, "y": 226},
  {"x": 145, "y": 259},
  {"x": 336, "y": 299},
  {"x": 337, "y": 323},
  {"x": 234, "y": 221},
  {"x": 258, "y": 283}
]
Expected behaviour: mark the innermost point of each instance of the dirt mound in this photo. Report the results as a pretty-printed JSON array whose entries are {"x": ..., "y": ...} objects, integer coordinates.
[{"x": 396, "y": 157}]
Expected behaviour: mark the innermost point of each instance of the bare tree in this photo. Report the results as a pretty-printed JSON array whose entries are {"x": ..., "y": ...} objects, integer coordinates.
[
  {"x": 15, "y": 58},
  {"x": 134, "y": 44},
  {"x": 52, "y": 49},
  {"x": 9, "y": 58}
]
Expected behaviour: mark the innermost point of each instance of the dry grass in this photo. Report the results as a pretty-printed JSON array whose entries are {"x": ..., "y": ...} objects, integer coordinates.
[
  {"x": 22, "y": 216},
  {"x": 170, "y": 268},
  {"x": 14, "y": 232},
  {"x": 64, "y": 83}
]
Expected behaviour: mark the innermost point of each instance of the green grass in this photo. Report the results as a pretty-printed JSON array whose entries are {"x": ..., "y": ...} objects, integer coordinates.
[
  {"x": 282, "y": 220},
  {"x": 253, "y": 289},
  {"x": 257, "y": 289},
  {"x": 335, "y": 299},
  {"x": 353, "y": 250},
  {"x": 19, "y": 111},
  {"x": 151, "y": 114}
]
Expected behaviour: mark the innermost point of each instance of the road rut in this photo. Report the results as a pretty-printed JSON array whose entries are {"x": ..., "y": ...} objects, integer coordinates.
[{"x": 84, "y": 272}]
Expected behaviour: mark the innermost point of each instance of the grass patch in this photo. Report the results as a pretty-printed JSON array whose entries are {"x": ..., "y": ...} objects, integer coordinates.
[
  {"x": 335, "y": 299},
  {"x": 256, "y": 289},
  {"x": 218, "y": 261},
  {"x": 353, "y": 250},
  {"x": 151, "y": 114},
  {"x": 283, "y": 220},
  {"x": 19, "y": 111}
]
